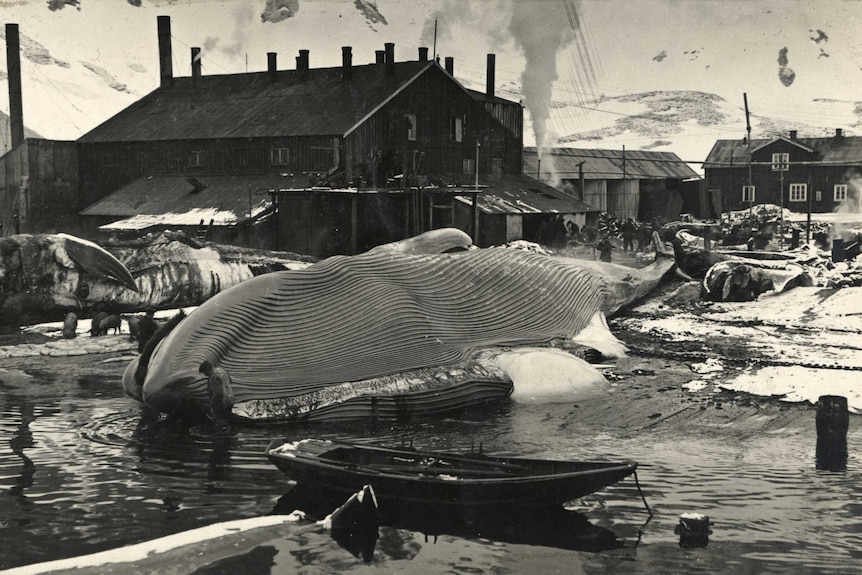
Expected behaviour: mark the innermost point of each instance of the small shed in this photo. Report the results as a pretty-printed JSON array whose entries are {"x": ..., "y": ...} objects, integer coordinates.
[
  {"x": 636, "y": 184},
  {"x": 520, "y": 207}
]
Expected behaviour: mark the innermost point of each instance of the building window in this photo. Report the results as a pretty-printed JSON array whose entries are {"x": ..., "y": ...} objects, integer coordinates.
[
  {"x": 410, "y": 120},
  {"x": 457, "y": 126},
  {"x": 279, "y": 156},
  {"x": 469, "y": 165},
  {"x": 798, "y": 192},
  {"x": 197, "y": 159},
  {"x": 747, "y": 193},
  {"x": 817, "y": 195},
  {"x": 840, "y": 192},
  {"x": 780, "y": 162}
]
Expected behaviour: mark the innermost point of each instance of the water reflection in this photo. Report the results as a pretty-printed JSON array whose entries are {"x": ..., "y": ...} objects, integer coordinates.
[{"x": 549, "y": 527}]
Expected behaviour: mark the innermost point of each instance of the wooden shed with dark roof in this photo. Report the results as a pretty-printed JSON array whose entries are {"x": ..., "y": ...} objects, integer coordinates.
[
  {"x": 639, "y": 184},
  {"x": 386, "y": 126}
]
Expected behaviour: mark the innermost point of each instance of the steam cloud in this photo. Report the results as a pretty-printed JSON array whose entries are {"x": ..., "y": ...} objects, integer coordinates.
[
  {"x": 243, "y": 19},
  {"x": 541, "y": 29}
]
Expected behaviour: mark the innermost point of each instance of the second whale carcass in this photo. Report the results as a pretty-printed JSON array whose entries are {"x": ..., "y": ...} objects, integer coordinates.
[{"x": 405, "y": 328}]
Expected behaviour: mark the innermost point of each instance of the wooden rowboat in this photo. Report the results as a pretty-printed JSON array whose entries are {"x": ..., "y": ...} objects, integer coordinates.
[{"x": 406, "y": 475}]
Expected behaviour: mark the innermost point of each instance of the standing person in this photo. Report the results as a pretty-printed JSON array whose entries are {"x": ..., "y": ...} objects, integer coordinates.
[
  {"x": 220, "y": 394},
  {"x": 605, "y": 246},
  {"x": 629, "y": 228}
]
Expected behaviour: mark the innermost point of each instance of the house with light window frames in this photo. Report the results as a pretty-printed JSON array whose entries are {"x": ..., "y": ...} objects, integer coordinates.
[{"x": 821, "y": 173}]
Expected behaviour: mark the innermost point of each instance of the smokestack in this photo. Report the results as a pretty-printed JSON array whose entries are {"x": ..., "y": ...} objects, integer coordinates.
[
  {"x": 346, "y": 62},
  {"x": 302, "y": 63},
  {"x": 390, "y": 58},
  {"x": 423, "y": 54},
  {"x": 379, "y": 57},
  {"x": 489, "y": 82},
  {"x": 450, "y": 65},
  {"x": 16, "y": 99},
  {"x": 271, "y": 67},
  {"x": 166, "y": 65},
  {"x": 196, "y": 66},
  {"x": 792, "y": 134}
]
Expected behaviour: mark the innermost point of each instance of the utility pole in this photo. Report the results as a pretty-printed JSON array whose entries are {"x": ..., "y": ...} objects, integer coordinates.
[
  {"x": 748, "y": 139},
  {"x": 625, "y": 195},
  {"x": 808, "y": 220}
]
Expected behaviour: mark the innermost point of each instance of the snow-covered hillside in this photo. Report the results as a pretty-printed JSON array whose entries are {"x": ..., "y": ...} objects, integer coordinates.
[{"x": 660, "y": 75}]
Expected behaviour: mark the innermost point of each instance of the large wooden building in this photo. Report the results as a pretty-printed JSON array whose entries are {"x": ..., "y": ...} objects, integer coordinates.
[
  {"x": 332, "y": 160},
  {"x": 820, "y": 174}
]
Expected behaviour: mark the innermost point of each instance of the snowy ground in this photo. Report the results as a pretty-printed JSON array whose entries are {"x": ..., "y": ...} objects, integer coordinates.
[{"x": 798, "y": 345}]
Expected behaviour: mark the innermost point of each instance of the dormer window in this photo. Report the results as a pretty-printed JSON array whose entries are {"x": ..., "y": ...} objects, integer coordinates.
[{"x": 197, "y": 159}]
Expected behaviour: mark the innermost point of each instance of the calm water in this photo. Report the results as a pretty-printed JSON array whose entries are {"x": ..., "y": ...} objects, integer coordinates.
[{"x": 82, "y": 471}]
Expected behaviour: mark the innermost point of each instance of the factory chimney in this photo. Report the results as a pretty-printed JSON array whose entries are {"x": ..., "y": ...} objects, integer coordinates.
[
  {"x": 390, "y": 58},
  {"x": 166, "y": 66},
  {"x": 271, "y": 67},
  {"x": 489, "y": 82},
  {"x": 346, "y": 62},
  {"x": 196, "y": 66},
  {"x": 16, "y": 99}
]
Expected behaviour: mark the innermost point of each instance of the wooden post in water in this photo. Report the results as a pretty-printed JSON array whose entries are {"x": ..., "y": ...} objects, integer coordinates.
[
  {"x": 833, "y": 420},
  {"x": 693, "y": 530}
]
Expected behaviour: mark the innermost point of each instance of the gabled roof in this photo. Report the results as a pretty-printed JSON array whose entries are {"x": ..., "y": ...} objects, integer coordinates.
[
  {"x": 249, "y": 105},
  {"x": 608, "y": 164},
  {"x": 834, "y": 150},
  {"x": 510, "y": 194},
  {"x": 793, "y": 142}
]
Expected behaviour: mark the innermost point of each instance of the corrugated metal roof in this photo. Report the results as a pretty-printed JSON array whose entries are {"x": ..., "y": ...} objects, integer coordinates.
[
  {"x": 608, "y": 164},
  {"x": 508, "y": 194},
  {"x": 842, "y": 149},
  {"x": 252, "y": 105},
  {"x": 225, "y": 199}
]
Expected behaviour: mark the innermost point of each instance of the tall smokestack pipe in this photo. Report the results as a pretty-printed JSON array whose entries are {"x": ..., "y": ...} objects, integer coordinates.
[
  {"x": 450, "y": 65},
  {"x": 271, "y": 66},
  {"x": 16, "y": 99},
  {"x": 489, "y": 82},
  {"x": 346, "y": 62},
  {"x": 379, "y": 56},
  {"x": 390, "y": 57},
  {"x": 166, "y": 65},
  {"x": 303, "y": 62},
  {"x": 423, "y": 53},
  {"x": 196, "y": 66}
]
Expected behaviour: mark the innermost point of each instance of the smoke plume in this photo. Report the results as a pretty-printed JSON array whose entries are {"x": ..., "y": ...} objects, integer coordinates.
[
  {"x": 243, "y": 17},
  {"x": 541, "y": 29}
]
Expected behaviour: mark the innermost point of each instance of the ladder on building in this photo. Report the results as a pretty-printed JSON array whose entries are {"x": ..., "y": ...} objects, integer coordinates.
[{"x": 203, "y": 230}]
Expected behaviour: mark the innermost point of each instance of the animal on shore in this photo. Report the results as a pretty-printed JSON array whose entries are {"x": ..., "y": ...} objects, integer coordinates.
[
  {"x": 133, "y": 321},
  {"x": 94, "y": 323},
  {"x": 70, "y": 325},
  {"x": 147, "y": 327},
  {"x": 107, "y": 323}
]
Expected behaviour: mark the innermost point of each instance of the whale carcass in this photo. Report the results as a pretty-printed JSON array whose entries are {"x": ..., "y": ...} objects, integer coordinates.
[{"x": 405, "y": 328}]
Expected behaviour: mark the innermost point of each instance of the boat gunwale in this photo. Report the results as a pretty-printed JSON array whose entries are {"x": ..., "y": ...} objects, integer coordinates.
[{"x": 315, "y": 460}]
